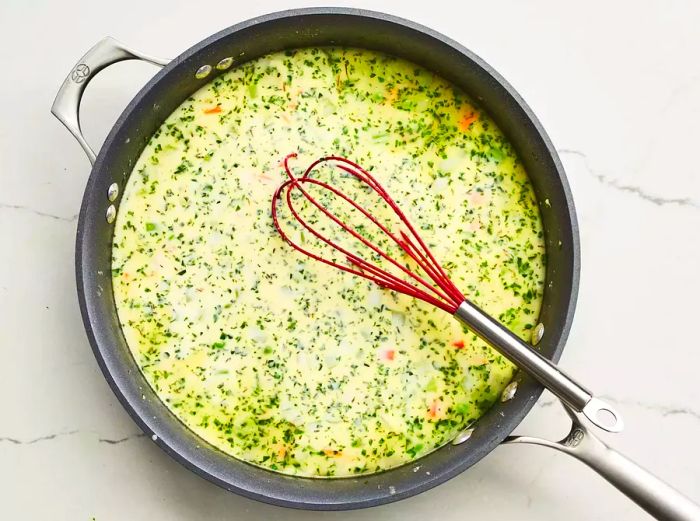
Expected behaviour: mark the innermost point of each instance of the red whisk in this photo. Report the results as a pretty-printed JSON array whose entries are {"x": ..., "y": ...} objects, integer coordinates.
[{"x": 429, "y": 283}]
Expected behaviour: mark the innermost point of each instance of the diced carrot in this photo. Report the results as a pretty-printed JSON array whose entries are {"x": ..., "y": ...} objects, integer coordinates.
[
  {"x": 393, "y": 94},
  {"x": 459, "y": 344},
  {"x": 467, "y": 119},
  {"x": 388, "y": 354},
  {"x": 435, "y": 409},
  {"x": 281, "y": 451},
  {"x": 213, "y": 110},
  {"x": 332, "y": 453}
]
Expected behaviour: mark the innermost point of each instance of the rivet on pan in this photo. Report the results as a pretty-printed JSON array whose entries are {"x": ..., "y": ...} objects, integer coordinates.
[
  {"x": 462, "y": 436},
  {"x": 202, "y": 72},
  {"x": 112, "y": 192},
  {"x": 509, "y": 391},
  {"x": 111, "y": 214},
  {"x": 224, "y": 64},
  {"x": 537, "y": 334}
]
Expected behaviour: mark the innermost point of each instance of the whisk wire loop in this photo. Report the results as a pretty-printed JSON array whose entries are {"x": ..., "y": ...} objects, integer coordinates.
[{"x": 439, "y": 291}]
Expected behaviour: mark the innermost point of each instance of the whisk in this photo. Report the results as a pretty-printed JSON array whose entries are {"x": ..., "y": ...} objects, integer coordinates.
[{"x": 430, "y": 283}]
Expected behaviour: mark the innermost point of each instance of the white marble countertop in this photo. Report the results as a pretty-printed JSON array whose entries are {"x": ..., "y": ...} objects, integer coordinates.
[{"x": 617, "y": 87}]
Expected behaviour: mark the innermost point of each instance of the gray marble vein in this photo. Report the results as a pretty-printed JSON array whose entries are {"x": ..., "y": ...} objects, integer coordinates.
[
  {"x": 121, "y": 440},
  {"x": 635, "y": 190},
  {"x": 664, "y": 410},
  {"x": 70, "y": 219},
  {"x": 49, "y": 437}
]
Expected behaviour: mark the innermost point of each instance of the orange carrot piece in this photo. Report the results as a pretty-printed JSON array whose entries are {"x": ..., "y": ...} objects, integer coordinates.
[
  {"x": 467, "y": 120},
  {"x": 213, "y": 110},
  {"x": 434, "y": 408},
  {"x": 393, "y": 95},
  {"x": 388, "y": 354},
  {"x": 459, "y": 344}
]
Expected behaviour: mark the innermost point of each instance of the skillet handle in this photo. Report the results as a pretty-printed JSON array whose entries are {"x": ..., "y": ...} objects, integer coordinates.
[
  {"x": 651, "y": 493},
  {"x": 66, "y": 106}
]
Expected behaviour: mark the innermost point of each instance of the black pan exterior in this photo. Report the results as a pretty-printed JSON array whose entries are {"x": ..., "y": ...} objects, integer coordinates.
[{"x": 250, "y": 40}]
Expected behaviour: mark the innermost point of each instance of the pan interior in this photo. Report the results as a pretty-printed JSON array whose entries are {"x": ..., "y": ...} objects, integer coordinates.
[{"x": 293, "y": 365}]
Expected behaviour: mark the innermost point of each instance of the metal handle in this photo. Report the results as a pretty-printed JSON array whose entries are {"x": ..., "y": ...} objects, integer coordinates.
[
  {"x": 557, "y": 381},
  {"x": 652, "y": 494},
  {"x": 66, "y": 106}
]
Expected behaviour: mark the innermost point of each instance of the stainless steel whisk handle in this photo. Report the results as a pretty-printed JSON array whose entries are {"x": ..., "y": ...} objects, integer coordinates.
[{"x": 548, "y": 374}]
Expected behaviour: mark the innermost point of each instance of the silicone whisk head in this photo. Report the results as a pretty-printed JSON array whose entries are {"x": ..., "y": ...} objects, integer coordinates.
[{"x": 336, "y": 220}]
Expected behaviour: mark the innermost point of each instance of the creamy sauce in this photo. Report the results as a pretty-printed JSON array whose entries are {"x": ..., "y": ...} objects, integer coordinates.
[{"x": 281, "y": 361}]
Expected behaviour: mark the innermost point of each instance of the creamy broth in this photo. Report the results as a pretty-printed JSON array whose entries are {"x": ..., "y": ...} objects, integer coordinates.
[{"x": 284, "y": 362}]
